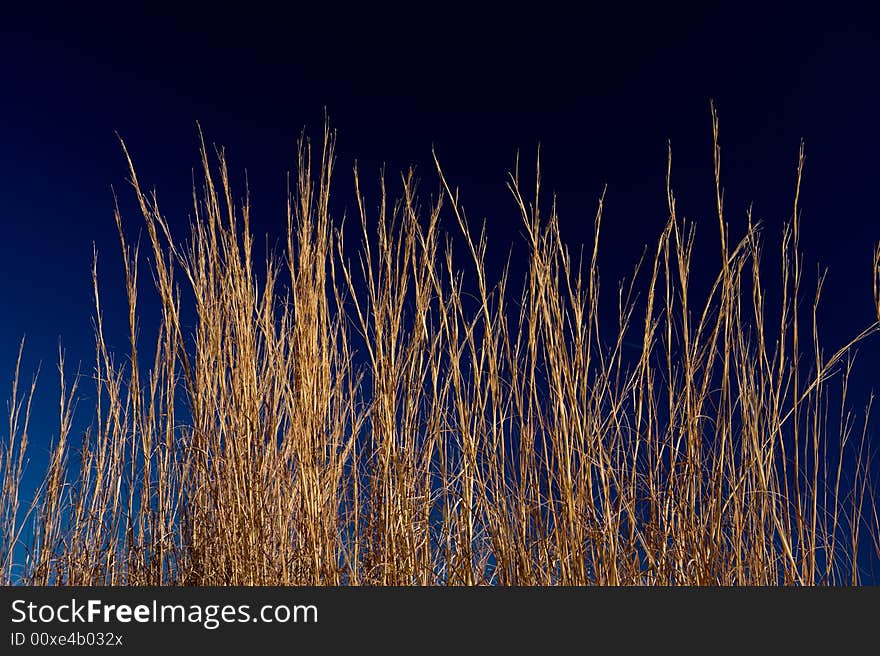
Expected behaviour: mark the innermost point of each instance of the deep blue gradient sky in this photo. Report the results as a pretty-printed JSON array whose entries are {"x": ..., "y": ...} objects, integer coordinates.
[{"x": 601, "y": 93}]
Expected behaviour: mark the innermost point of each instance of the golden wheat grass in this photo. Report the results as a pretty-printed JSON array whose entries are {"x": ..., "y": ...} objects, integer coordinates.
[{"x": 381, "y": 415}]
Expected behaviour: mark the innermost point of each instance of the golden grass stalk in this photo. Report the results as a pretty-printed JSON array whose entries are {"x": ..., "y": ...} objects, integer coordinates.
[{"x": 385, "y": 416}]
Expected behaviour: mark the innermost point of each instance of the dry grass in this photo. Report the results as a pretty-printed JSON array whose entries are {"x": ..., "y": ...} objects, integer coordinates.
[{"x": 365, "y": 421}]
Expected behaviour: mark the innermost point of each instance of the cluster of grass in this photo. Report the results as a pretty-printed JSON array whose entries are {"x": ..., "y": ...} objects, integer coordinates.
[{"x": 395, "y": 419}]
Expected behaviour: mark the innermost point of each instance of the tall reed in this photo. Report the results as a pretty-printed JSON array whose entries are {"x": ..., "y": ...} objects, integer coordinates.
[{"x": 386, "y": 415}]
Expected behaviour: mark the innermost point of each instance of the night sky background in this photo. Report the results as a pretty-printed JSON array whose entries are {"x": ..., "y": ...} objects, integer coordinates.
[{"x": 601, "y": 93}]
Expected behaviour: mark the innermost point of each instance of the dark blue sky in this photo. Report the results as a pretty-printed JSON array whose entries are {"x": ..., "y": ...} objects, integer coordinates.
[{"x": 602, "y": 94}]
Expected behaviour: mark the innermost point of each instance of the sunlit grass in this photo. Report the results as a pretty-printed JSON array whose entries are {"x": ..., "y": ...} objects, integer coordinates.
[{"x": 382, "y": 415}]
